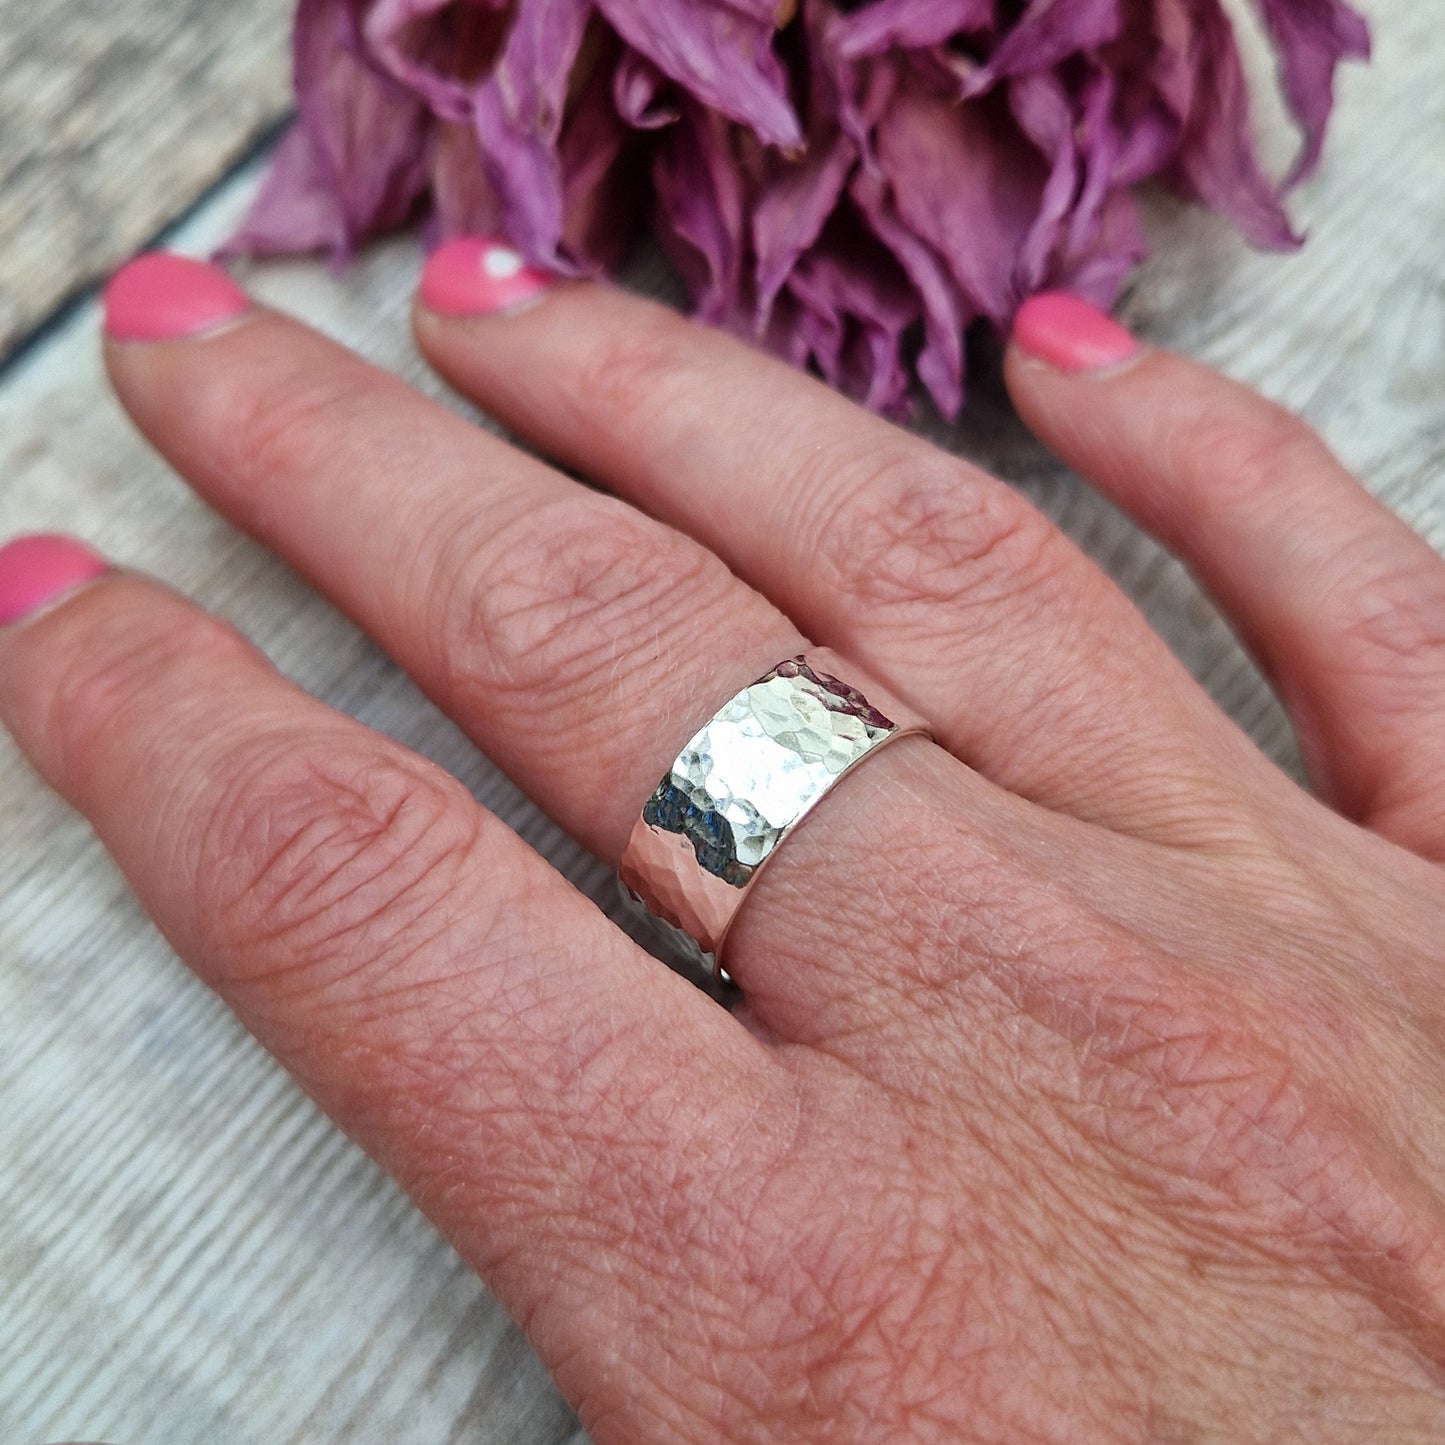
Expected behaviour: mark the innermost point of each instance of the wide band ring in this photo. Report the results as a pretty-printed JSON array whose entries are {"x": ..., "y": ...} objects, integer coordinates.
[{"x": 743, "y": 783}]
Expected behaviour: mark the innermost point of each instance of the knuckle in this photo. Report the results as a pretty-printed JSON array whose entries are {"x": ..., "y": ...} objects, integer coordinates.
[
  {"x": 631, "y": 373},
  {"x": 318, "y": 861},
  {"x": 282, "y": 422},
  {"x": 1384, "y": 593},
  {"x": 1394, "y": 616},
  {"x": 108, "y": 680},
  {"x": 1250, "y": 455},
  {"x": 918, "y": 532},
  {"x": 558, "y": 598}
]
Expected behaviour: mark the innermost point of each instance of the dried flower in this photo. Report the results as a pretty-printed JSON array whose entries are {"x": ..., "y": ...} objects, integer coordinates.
[{"x": 853, "y": 183}]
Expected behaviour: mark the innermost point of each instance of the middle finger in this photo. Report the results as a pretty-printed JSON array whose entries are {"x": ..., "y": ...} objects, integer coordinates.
[{"x": 944, "y": 582}]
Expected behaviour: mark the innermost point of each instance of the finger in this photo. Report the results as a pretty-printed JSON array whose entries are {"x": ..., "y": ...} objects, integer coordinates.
[
  {"x": 476, "y": 1024},
  {"x": 564, "y": 631},
  {"x": 1342, "y": 603},
  {"x": 579, "y": 642},
  {"x": 943, "y": 581}
]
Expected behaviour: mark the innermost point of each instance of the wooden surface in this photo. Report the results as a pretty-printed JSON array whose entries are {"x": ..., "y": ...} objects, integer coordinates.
[
  {"x": 114, "y": 116},
  {"x": 188, "y": 1252}
]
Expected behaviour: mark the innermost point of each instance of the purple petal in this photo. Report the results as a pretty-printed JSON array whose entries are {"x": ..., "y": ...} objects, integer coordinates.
[
  {"x": 1099, "y": 146},
  {"x": 601, "y": 202},
  {"x": 700, "y": 195},
  {"x": 1125, "y": 131},
  {"x": 1047, "y": 34},
  {"x": 432, "y": 45},
  {"x": 518, "y": 111},
  {"x": 862, "y": 305},
  {"x": 464, "y": 204},
  {"x": 636, "y": 85},
  {"x": 1098, "y": 240},
  {"x": 1044, "y": 112},
  {"x": 791, "y": 212},
  {"x": 1312, "y": 36},
  {"x": 1097, "y": 271},
  {"x": 906, "y": 24},
  {"x": 940, "y": 360},
  {"x": 363, "y": 159},
  {"x": 1215, "y": 160},
  {"x": 967, "y": 182},
  {"x": 784, "y": 336},
  {"x": 721, "y": 53},
  {"x": 851, "y": 94},
  {"x": 876, "y": 374},
  {"x": 820, "y": 329},
  {"x": 295, "y": 210}
]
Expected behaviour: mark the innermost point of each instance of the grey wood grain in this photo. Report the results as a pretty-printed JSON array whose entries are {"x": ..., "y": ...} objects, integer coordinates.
[
  {"x": 188, "y": 1252},
  {"x": 114, "y": 118}
]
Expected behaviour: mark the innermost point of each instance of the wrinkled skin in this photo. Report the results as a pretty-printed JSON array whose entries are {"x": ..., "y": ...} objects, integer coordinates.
[{"x": 1088, "y": 1080}]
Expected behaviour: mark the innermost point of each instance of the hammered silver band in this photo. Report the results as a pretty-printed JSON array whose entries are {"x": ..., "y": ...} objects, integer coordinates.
[{"x": 741, "y": 785}]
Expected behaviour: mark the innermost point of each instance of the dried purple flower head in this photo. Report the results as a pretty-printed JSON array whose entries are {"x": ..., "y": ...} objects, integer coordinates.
[{"x": 854, "y": 183}]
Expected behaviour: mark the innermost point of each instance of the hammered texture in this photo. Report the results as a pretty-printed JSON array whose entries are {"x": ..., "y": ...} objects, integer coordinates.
[
  {"x": 760, "y": 764},
  {"x": 737, "y": 787}
]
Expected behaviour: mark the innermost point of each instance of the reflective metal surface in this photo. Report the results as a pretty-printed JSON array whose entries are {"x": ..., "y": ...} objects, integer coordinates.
[{"x": 743, "y": 782}]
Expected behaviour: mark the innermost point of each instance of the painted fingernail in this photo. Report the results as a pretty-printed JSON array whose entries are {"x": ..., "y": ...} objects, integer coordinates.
[
  {"x": 162, "y": 297},
  {"x": 39, "y": 569},
  {"x": 475, "y": 276},
  {"x": 1070, "y": 335}
]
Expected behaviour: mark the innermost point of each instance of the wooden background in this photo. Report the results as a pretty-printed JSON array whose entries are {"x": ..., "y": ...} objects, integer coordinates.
[{"x": 188, "y": 1252}]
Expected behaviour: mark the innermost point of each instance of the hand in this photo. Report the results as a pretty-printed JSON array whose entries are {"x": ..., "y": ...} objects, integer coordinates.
[{"x": 1089, "y": 1079}]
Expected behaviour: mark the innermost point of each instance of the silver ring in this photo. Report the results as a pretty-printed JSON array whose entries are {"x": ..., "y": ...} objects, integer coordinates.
[{"x": 742, "y": 784}]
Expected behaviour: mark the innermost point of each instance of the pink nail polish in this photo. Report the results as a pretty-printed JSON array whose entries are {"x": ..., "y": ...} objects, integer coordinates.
[
  {"x": 38, "y": 569},
  {"x": 1070, "y": 335},
  {"x": 161, "y": 297},
  {"x": 475, "y": 276}
]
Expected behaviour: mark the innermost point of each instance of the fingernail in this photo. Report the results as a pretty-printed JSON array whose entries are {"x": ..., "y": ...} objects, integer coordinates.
[
  {"x": 161, "y": 297},
  {"x": 39, "y": 569},
  {"x": 1070, "y": 335},
  {"x": 474, "y": 276}
]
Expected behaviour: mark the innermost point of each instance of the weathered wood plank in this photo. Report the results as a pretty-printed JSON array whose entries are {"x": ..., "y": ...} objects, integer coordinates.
[
  {"x": 187, "y": 1250},
  {"x": 113, "y": 118}
]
